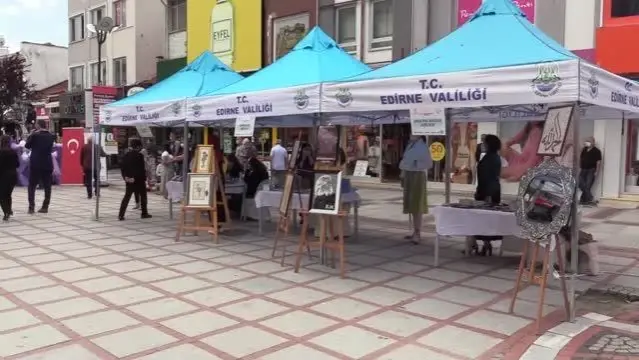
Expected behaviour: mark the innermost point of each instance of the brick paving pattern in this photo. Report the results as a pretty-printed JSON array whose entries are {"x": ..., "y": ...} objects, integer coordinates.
[{"x": 73, "y": 288}]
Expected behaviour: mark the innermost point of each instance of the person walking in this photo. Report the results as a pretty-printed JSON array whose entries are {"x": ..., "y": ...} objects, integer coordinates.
[
  {"x": 134, "y": 174},
  {"x": 9, "y": 164},
  {"x": 279, "y": 159},
  {"x": 589, "y": 164},
  {"x": 91, "y": 168},
  {"x": 40, "y": 142}
]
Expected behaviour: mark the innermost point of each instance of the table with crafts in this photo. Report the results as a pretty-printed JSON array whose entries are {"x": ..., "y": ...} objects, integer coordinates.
[
  {"x": 272, "y": 198},
  {"x": 175, "y": 190},
  {"x": 459, "y": 221}
]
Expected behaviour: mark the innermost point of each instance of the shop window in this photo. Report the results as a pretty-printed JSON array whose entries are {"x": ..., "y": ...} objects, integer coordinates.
[
  {"x": 76, "y": 28},
  {"x": 119, "y": 72},
  {"x": 381, "y": 28},
  {"x": 94, "y": 73},
  {"x": 624, "y": 8},
  {"x": 76, "y": 78},
  {"x": 346, "y": 28},
  {"x": 177, "y": 15},
  {"x": 119, "y": 13}
]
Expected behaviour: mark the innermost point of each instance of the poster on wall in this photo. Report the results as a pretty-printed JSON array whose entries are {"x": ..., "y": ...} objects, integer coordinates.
[
  {"x": 466, "y": 9},
  {"x": 287, "y": 32},
  {"x": 427, "y": 122},
  {"x": 231, "y": 29},
  {"x": 464, "y": 142}
]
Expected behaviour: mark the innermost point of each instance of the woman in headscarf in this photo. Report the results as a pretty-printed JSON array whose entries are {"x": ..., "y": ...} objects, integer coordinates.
[
  {"x": 488, "y": 186},
  {"x": 414, "y": 166}
]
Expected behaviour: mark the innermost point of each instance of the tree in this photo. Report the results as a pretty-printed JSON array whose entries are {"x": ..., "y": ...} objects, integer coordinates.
[{"x": 15, "y": 87}]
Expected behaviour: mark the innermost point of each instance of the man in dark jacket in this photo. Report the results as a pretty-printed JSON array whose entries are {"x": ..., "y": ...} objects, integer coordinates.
[
  {"x": 88, "y": 165},
  {"x": 134, "y": 174},
  {"x": 40, "y": 142}
]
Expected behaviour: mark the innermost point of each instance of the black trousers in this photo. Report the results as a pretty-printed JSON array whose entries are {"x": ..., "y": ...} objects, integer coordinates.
[
  {"x": 89, "y": 181},
  {"x": 586, "y": 180},
  {"x": 40, "y": 176},
  {"x": 7, "y": 183},
  {"x": 139, "y": 189}
]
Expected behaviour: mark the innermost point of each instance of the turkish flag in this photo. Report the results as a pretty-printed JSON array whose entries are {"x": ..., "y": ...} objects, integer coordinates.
[{"x": 72, "y": 143}]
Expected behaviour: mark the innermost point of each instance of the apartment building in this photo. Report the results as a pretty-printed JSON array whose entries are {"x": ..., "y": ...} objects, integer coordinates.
[{"x": 131, "y": 49}]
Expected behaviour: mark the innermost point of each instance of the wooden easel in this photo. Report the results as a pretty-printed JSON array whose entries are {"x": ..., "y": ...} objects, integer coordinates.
[
  {"x": 527, "y": 273},
  {"x": 329, "y": 224},
  {"x": 213, "y": 225}
]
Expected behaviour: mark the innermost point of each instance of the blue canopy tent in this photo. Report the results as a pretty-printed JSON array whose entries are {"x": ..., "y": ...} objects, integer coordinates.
[
  {"x": 495, "y": 61},
  {"x": 283, "y": 93},
  {"x": 164, "y": 102}
]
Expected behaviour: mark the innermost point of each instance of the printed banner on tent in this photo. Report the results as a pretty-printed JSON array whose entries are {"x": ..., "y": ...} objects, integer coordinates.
[
  {"x": 244, "y": 126},
  {"x": 279, "y": 102},
  {"x": 427, "y": 122},
  {"x": 527, "y": 84},
  {"x": 131, "y": 115},
  {"x": 602, "y": 88}
]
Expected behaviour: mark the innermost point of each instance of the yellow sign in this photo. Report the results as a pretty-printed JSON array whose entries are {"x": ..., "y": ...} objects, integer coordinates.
[
  {"x": 437, "y": 151},
  {"x": 231, "y": 29}
]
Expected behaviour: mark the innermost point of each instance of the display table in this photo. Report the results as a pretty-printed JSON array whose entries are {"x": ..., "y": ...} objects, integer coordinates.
[
  {"x": 451, "y": 221},
  {"x": 271, "y": 199},
  {"x": 175, "y": 190}
]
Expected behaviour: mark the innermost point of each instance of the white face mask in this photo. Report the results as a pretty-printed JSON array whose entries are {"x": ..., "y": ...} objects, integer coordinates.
[{"x": 587, "y": 144}]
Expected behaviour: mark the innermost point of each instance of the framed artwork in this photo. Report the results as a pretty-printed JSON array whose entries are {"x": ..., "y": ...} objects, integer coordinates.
[
  {"x": 295, "y": 154},
  {"x": 326, "y": 193},
  {"x": 556, "y": 127},
  {"x": 286, "y": 193},
  {"x": 200, "y": 190},
  {"x": 287, "y": 32},
  {"x": 204, "y": 160}
]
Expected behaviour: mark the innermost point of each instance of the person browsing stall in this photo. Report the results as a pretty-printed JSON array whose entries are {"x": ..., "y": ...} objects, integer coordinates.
[
  {"x": 414, "y": 166},
  {"x": 279, "y": 158},
  {"x": 134, "y": 174}
]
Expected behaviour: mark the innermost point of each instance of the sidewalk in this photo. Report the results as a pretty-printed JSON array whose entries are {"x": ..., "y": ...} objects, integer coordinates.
[{"x": 73, "y": 288}]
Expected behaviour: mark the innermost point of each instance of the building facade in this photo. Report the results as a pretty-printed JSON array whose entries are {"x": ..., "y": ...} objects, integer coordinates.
[
  {"x": 138, "y": 40},
  {"x": 48, "y": 64}
]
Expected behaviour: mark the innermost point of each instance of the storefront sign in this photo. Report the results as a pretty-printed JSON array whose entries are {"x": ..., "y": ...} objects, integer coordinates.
[
  {"x": 437, "y": 151},
  {"x": 231, "y": 29},
  {"x": 427, "y": 122},
  {"x": 466, "y": 9},
  {"x": 244, "y": 126},
  {"x": 72, "y": 105},
  {"x": 102, "y": 95}
]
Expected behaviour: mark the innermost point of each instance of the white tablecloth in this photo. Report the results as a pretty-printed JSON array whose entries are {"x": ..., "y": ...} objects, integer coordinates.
[
  {"x": 450, "y": 221},
  {"x": 175, "y": 189},
  {"x": 270, "y": 198}
]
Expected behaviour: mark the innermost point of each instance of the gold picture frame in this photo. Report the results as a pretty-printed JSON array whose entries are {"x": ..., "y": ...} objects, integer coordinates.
[
  {"x": 200, "y": 190},
  {"x": 204, "y": 160}
]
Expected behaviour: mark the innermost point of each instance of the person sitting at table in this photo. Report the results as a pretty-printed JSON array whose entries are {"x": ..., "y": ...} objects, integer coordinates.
[
  {"x": 414, "y": 166},
  {"x": 233, "y": 167},
  {"x": 488, "y": 186},
  {"x": 255, "y": 173}
]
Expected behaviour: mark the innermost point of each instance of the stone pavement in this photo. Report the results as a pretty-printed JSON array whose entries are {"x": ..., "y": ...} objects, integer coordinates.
[{"x": 73, "y": 288}]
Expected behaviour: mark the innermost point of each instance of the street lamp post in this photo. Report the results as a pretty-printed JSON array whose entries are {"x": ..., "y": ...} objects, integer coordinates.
[{"x": 105, "y": 26}]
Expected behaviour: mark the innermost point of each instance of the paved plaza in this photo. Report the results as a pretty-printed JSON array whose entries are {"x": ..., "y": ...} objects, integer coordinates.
[{"x": 72, "y": 288}]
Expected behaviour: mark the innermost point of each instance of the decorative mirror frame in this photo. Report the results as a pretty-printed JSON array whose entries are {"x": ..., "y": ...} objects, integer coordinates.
[{"x": 537, "y": 231}]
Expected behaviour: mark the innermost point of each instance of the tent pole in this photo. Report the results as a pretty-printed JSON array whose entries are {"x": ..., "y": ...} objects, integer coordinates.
[
  {"x": 574, "y": 226},
  {"x": 185, "y": 160},
  {"x": 96, "y": 166},
  {"x": 449, "y": 155}
]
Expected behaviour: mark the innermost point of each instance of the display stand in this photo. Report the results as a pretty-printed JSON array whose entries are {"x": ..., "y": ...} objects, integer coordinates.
[
  {"x": 212, "y": 226},
  {"x": 329, "y": 224},
  {"x": 527, "y": 273}
]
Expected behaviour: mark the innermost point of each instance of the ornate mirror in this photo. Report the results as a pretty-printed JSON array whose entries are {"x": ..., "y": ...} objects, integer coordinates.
[{"x": 544, "y": 200}]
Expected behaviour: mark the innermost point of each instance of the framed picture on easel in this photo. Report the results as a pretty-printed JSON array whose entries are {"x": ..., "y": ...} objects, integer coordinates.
[
  {"x": 287, "y": 193},
  {"x": 204, "y": 160},
  {"x": 200, "y": 190},
  {"x": 295, "y": 154},
  {"x": 326, "y": 193}
]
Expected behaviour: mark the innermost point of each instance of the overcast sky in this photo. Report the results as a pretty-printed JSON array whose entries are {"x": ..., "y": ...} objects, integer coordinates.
[{"x": 38, "y": 21}]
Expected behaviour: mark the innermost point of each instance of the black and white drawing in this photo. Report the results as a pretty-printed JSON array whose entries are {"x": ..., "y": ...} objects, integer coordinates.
[
  {"x": 326, "y": 193},
  {"x": 556, "y": 126},
  {"x": 200, "y": 190}
]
